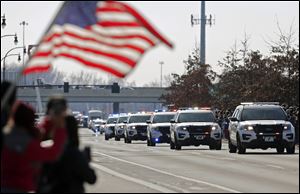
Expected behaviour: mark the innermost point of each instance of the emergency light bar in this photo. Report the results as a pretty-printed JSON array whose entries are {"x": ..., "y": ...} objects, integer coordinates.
[{"x": 260, "y": 103}]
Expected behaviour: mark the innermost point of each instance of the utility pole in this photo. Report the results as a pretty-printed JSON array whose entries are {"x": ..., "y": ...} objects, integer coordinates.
[
  {"x": 161, "y": 77},
  {"x": 24, "y": 47},
  {"x": 202, "y": 21}
]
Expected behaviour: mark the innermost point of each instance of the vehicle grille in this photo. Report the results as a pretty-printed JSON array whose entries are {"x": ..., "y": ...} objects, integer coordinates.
[
  {"x": 268, "y": 128},
  {"x": 141, "y": 129},
  {"x": 198, "y": 129},
  {"x": 164, "y": 130}
]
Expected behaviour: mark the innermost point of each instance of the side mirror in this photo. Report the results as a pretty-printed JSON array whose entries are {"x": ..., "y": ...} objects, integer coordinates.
[
  {"x": 148, "y": 122},
  {"x": 288, "y": 118},
  {"x": 172, "y": 121},
  {"x": 233, "y": 119}
]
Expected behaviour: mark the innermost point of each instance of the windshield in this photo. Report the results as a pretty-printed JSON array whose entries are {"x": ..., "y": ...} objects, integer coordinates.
[
  {"x": 263, "y": 114},
  {"x": 122, "y": 119},
  {"x": 96, "y": 114},
  {"x": 196, "y": 117},
  {"x": 95, "y": 117},
  {"x": 162, "y": 118},
  {"x": 139, "y": 119},
  {"x": 112, "y": 120}
]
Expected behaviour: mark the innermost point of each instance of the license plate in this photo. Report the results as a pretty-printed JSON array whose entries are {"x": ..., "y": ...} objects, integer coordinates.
[
  {"x": 200, "y": 137},
  {"x": 269, "y": 139}
]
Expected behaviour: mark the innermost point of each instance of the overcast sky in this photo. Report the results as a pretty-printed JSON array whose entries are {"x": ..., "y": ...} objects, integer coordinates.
[{"x": 172, "y": 19}]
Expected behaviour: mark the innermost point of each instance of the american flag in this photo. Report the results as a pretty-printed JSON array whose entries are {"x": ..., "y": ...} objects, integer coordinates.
[{"x": 107, "y": 35}]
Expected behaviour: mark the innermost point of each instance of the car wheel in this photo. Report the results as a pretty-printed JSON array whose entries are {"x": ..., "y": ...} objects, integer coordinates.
[
  {"x": 280, "y": 149},
  {"x": 106, "y": 138},
  {"x": 290, "y": 149},
  {"x": 172, "y": 146},
  {"x": 212, "y": 145},
  {"x": 240, "y": 147},
  {"x": 232, "y": 148},
  {"x": 177, "y": 146},
  {"x": 219, "y": 145},
  {"x": 117, "y": 138}
]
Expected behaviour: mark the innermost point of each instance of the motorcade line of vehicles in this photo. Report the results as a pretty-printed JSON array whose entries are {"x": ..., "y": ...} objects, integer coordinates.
[{"x": 253, "y": 125}]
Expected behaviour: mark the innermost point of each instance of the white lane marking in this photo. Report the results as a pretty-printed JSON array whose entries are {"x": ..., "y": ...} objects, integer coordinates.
[
  {"x": 172, "y": 186},
  {"x": 275, "y": 166},
  {"x": 171, "y": 174},
  {"x": 128, "y": 178}
]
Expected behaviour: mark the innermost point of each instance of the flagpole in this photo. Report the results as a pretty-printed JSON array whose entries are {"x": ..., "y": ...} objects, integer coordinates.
[{"x": 20, "y": 73}]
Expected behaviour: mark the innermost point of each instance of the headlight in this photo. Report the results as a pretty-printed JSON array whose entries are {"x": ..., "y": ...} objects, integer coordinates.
[
  {"x": 213, "y": 128},
  {"x": 286, "y": 127},
  {"x": 133, "y": 127},
  {"x": 248, "y": 128},
  {"x": 184, "y": 128}
]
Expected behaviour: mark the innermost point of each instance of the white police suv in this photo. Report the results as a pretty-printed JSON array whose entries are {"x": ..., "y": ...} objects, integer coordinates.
[
  {"x": 120, "y": 127},
  {"x": 136, "y": 127},
  {"x": 195, "y": 127},
  {"x": 158, "y": 130},
  {"x": 260, "y": 125},
  {"x": 109, "y": 130}
]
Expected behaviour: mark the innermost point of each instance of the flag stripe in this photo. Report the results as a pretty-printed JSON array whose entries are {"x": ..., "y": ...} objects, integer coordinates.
[
  {"x": 118, "y": 24},
  {"x": 116, "y": 17}
]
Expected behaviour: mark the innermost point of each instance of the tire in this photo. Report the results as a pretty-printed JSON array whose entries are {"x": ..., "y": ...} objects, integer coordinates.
[
  {"x": 280, "y": 149},
  {"x": 219, "y": 145},
  {"x": 240, "y": 147},
  {"x": 117, "y": 138},
  {"x": 290, "y": 149},
  {"x": 106, "y": 138},
  {"x": 232, "y": 148},
  {"x": 177, "y": 146},
  {"x": 212, "y": 146},
  {"x": 172, "y": 145}
]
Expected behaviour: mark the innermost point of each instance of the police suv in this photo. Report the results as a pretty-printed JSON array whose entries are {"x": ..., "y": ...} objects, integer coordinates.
[
  {"x": 195, "y": 127},
  {"x": 109, "y": 130},
  {"x": 260, "y": 125},
  {"x": 120, "y": 127},
  {"x": 136, "y": 127},
  {"x": 158, "y": 130}
]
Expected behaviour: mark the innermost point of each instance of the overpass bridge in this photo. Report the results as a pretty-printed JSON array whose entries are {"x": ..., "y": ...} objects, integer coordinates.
[{"x": 95, "y": 95}]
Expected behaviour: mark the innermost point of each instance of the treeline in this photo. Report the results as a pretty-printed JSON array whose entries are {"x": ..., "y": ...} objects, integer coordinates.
[{"x": 248, "y": 75}]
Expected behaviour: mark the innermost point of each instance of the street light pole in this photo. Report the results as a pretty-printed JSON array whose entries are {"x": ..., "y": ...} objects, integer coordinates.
[
  {"x": 14, "y": 35},
  {"x": 161, "y": 64},
  {"x": 24, "y": 47},
  {"x": 6, "y": 55}
]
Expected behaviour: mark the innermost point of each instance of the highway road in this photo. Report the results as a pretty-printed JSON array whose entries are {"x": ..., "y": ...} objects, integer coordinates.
[{"x": 136, "y": 168}]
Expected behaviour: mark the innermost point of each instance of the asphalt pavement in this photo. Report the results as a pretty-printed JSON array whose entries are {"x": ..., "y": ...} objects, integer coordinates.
[{"x": 136, "y": 168}]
